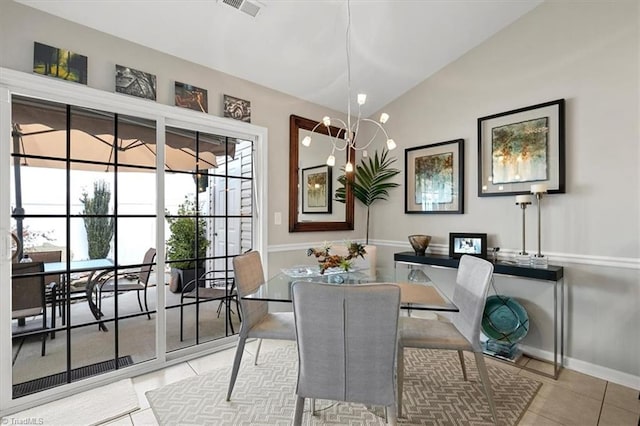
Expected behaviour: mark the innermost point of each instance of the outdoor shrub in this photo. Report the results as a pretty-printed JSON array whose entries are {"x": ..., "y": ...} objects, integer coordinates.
[{"x": 99, "y": 229}]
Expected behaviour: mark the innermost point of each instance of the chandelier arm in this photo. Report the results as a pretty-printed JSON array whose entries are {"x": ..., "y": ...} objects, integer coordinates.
[{"x": 378, "y": 129}]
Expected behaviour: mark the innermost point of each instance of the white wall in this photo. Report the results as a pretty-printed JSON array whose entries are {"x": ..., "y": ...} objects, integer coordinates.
[{"x": 586, "y": 53}]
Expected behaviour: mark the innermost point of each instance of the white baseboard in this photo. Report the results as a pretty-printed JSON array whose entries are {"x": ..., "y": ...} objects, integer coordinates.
[{"x": 604, "y": 373}]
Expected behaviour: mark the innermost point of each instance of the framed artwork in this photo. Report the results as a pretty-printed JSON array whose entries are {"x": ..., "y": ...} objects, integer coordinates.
[
  {"x": 464, "y": 243},
  {"x": 520, "y": 148},
  {"x": 238, "y": 109},
  {"x": 192, "y": 97},
  {"x": 434, "y": 178},
  {"x": 59, "y": 63},
  {"x": 135, "y": 83},
  {"x": 316, "y": 190}
]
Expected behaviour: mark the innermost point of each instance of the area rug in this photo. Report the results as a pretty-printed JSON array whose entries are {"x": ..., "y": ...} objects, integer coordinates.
[
  {"x": 92, "y": 407},
  {"x": 434, "y": 394},
  {"x": 53, "y": 380}
]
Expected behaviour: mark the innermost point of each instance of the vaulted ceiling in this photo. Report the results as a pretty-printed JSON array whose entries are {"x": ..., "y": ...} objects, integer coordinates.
[{"x": 299, "y": 46}]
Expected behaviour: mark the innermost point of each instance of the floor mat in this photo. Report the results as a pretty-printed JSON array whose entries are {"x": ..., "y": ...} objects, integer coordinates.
[{"x": 37, "y": 385}]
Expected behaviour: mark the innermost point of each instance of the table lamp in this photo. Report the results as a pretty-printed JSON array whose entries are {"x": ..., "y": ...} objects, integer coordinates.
[
  {"x": 523, "y": 258},
  {"x": 538, "y": 260}
]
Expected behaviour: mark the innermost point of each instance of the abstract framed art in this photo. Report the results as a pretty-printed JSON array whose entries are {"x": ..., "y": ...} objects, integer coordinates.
[
  {"x": 59, "y": 63},
  {"x": 316, "y": 190},
  {"x": 192, "y": 97},
  {"x": 434, "y": 178},
  {"x": 522, "y": 147},
  {"x": 136, "y": 83},
  {"x": 237, "y": 108}
]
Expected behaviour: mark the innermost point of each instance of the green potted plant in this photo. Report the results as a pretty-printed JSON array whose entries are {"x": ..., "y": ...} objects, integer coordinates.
[
  {"x": 370, "y": 182},
  {"x": 181, "y": 245}
]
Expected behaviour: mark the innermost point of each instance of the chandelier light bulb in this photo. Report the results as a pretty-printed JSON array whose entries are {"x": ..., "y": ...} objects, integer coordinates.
[
  {"x": 348, "y": 168},
  {"x": 391, "y": 144},
  {"x": 331, "y": 161},
  {"x": 326, "y": 120},
  {"x": 384, "y": 117},
  {"x": 362, "y": 98},
  {"x": 306, "y": 141}
]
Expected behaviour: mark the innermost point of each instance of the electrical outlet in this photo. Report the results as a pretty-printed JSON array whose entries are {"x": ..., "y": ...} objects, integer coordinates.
[{"x": 277, "y": 218}]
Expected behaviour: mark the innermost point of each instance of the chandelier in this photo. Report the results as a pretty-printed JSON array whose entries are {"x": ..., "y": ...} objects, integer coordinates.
[{"x": 351, "y": 128}]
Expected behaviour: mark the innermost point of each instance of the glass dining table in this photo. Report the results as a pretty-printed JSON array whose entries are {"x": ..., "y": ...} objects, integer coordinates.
[{"x": 417, "y": 291}]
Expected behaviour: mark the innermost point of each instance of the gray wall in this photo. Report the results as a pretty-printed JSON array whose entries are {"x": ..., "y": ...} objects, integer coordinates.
[{"x": 586, "y": 53}]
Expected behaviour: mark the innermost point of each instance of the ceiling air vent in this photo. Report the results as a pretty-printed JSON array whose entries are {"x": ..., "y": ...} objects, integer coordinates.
[{"x": 248, "y": 7}]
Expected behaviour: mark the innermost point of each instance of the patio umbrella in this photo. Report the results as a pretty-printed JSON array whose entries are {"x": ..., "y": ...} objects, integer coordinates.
[{"x": 96, "y": 138}]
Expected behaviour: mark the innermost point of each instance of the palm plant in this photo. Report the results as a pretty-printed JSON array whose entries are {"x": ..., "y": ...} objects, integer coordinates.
[{"x": 370, "y": 182}]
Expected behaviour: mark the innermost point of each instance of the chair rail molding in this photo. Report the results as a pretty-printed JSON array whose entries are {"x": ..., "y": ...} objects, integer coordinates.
[{"x": 505, "y": 254}]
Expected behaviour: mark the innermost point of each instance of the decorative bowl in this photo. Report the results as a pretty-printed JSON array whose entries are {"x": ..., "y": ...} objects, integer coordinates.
[
  {"x": 419, "y": 243},
  {"x": 504, "y": 319}
]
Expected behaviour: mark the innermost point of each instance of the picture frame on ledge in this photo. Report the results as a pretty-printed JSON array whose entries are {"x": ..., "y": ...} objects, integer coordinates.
[
  {"x": 473, "y": 244},
  {"x": 434, "y": 178},
  {"x": 522, "y": 147}
]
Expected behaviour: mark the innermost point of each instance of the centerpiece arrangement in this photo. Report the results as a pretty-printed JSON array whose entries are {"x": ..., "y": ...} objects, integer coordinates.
[{"x": 327, "y": 260}]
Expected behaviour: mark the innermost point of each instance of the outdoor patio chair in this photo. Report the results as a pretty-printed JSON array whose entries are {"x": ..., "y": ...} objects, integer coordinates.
[
  {"x": 215, "y": 288},
  {"x": 133, "y": 281},
  {"x": 257, "y": 321},
  {"x": 462, "y": 333},
  {"x": 347, "y": 342},
  {"x": 28, "y": 299},
  {"x": 52, "y": 282}
]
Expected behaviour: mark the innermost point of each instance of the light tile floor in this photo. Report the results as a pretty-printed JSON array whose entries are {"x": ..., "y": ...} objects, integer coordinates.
[{"x": 573, "y": 399}]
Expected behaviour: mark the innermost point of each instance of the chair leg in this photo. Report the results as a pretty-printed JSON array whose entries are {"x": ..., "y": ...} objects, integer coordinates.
[
  {"x": 44, "y": 343},
  {"x": 146, "y": 305},
  {"x": 181, "y": 318},
  {"x": 312, "y": 406},
  {"x": 391, "y": 415},
  {"x": 139, "y": 301},
  {"x": 400, "y": 378},
  {"x": 297, "y": 418},
  {"x": 238, "y": 308},
  {"x": 255, "y": 360},
  {"x": 227, "y": 304},
  {"x": 236, "y": 365},
  {"x": 53, "y": 311},
  {"x": 484, "y": 377},
  {"x": 464, "y": 369}
]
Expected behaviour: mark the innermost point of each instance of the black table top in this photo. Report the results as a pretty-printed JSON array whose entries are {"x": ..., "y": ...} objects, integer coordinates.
[{"x": 551, "y": 273}]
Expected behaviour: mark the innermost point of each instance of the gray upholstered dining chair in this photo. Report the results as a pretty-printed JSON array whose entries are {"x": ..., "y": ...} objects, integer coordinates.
[
  {"x": 257, "y": 321},
  {"x": 347, "y": 341},
  {"x": 462, "y": 333}
]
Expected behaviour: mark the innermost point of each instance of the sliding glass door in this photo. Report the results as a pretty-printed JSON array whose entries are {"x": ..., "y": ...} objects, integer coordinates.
[{"x": 123, "y": 233}]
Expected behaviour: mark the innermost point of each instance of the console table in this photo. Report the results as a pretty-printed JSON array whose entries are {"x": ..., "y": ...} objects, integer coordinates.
[{"x": 552, "y": 273}]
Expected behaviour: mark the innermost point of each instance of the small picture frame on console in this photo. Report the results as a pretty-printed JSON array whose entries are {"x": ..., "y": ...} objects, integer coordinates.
[{"x": 466, "y": 243}]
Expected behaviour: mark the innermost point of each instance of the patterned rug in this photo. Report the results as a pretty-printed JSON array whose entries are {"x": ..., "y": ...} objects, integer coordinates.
[{"x": 434, "y": 394}]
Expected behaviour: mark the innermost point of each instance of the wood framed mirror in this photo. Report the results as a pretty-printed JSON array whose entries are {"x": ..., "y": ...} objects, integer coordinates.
[{"x": 321, "y": 212}]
